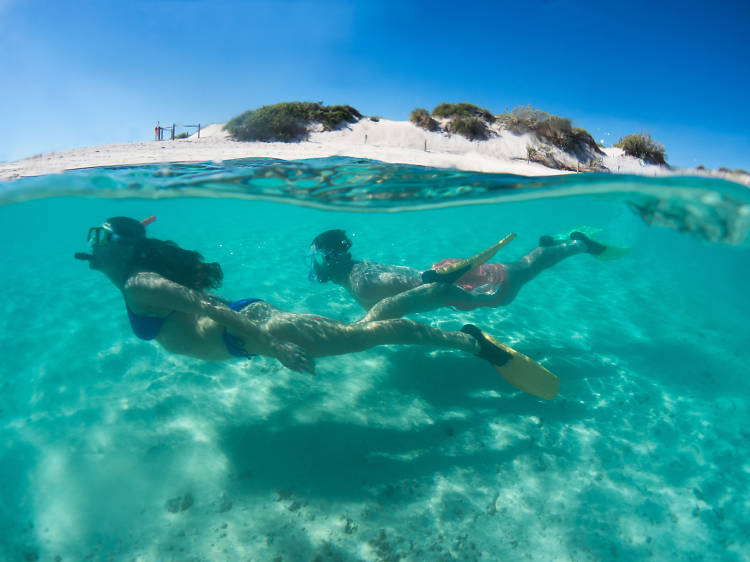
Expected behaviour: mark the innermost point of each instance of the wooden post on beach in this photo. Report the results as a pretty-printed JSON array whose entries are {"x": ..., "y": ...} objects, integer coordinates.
[
  {"x": 199, "y": 130},
  {"x": 365, "y": 138},
  {"x": 425, "y": 145},
  {"x": 172, "y": 131}
]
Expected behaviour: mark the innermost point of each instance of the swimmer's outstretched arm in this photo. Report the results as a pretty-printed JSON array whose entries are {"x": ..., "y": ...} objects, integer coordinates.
[{"x": 153, "y": 290}]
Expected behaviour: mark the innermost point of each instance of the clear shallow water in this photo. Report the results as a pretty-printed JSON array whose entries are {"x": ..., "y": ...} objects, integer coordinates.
[{"x": 395, "y": 453}]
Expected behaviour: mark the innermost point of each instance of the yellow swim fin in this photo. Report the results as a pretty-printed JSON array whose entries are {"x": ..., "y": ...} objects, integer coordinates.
[
  {"x": 599, "y": 250},
  {"x": 450, "y": 273},
  {"x": 612, "y": 253},
  {"x": 520, "y": 371}
]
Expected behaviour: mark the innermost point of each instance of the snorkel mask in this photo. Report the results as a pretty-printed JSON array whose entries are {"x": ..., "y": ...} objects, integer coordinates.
[
  {"x": 328, "y": 251},
  {"x": 101, "y": 235},
  {"x": 116, "y": 229}
]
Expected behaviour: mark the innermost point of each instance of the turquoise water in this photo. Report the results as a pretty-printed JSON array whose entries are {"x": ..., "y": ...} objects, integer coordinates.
[{"x": 397, "y": 453}]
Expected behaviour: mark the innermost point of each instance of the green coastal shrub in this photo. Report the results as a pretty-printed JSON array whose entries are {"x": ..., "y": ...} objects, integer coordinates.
[
  {"x": 463, "y": 109},
  {"x": 465, "y": 119},
  {"x": 421, "y": 118},
  {"x": 331, "y": 116},
  {"x": 555, "y": 130},
  {"x": 471, "y": 127},
  {"x": 288, "y": 121},
  {"x": 267, "y": 123},
  {"x": 643, "y": 146}
]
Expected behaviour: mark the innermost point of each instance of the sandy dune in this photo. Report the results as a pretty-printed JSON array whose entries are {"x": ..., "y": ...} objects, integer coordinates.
[{"x": 388, "y": 141}]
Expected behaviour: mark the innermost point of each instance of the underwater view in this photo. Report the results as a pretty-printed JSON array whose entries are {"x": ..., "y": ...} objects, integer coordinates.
[{"x": 115, "y": 448}]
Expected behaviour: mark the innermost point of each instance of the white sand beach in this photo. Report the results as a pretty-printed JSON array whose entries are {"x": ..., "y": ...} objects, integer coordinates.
[{"x": 388, "y": 141}]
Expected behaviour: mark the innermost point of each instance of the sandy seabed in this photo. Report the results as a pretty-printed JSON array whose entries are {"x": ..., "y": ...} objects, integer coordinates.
[{"x": 116, "y": 450}]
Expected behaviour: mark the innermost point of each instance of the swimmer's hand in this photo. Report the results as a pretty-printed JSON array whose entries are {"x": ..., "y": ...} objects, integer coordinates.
[{"x": 294, "y": 357}]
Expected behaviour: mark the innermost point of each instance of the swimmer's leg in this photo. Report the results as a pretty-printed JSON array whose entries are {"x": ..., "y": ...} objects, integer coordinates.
[
  {"x": 419, "y": 299},
  {"x": 537, "y": 260},
  {"x": 322, "y": 336},
  {"x": 424, "y": 298}
]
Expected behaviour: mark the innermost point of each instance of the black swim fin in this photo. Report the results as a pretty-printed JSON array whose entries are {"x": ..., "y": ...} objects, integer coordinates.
[{"x": 520, "y": 371}]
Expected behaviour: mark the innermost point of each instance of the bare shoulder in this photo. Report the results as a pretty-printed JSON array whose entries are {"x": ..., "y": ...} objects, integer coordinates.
[
  {"x": 151, "y": 288},
  {"x": 151, "y": 291},
  {"x": 145, "y": 280}
]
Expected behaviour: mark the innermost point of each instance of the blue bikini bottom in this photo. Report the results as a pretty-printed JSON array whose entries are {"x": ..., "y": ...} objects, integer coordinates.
[{"x": 233, "y": 343}]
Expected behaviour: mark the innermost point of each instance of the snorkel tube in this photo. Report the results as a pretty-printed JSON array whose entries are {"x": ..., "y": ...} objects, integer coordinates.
[{"x": 87, "y": 257}]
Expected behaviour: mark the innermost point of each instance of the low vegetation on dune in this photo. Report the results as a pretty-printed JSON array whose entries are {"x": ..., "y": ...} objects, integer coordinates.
[
  {"x": 473, "y": 128},
  {"x": 552, "y": 129},
  {"x": 465, "y": 119},
  {"x": 288, "y": 121},
  {"x": 463, "y": 109},
  {"x": 643, "y": 146},
  {"x": 474, "y": 122},
  {"x": 421, "y": 118}
]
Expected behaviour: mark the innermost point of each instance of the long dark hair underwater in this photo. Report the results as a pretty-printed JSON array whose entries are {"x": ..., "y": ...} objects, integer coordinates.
[
  {"x": 185, "y": 267},
  {"x": 166, "y": 258}
]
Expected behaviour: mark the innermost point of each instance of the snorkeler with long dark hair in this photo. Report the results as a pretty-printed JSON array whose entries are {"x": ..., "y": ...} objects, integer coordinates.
[
  {"x": 166, "y": 296},
  {"x": 392, "y": 291}
]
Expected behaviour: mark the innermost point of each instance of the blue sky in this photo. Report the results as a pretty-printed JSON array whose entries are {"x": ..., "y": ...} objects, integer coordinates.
[{"x": 91, "y": 72}]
